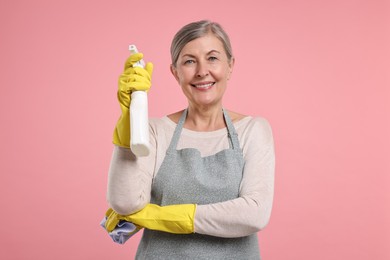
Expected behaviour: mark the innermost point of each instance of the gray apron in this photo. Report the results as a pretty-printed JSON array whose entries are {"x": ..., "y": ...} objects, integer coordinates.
[{"x": 187, "y": 178}]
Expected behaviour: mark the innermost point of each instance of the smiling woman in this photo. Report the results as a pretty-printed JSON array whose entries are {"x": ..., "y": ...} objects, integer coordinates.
[
  {"x": 202, "y": 70},
  {"x": 192, "y": 194}
]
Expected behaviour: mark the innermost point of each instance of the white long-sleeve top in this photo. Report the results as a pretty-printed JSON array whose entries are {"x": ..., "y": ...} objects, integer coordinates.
[{"x": 130, "y": 178}]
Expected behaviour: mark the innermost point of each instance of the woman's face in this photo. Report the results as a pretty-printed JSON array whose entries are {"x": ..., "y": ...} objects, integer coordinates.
[{"x": 202, "y": 70}]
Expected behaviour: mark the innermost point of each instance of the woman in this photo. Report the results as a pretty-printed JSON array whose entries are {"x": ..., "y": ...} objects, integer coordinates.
[{"x": 206, "y": 188}]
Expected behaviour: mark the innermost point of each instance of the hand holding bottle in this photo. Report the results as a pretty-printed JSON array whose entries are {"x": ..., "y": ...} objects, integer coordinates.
[{"x": 132, "y": 79}]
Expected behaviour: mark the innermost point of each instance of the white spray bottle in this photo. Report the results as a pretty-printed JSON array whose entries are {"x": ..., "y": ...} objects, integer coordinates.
[{"x": 139, "y": 123}]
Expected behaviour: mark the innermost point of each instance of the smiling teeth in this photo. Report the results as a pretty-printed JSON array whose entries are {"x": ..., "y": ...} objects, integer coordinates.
[{"x": 204, "y": 86}]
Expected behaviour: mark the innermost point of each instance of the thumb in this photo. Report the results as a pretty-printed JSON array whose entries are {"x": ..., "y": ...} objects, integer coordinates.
[{"x": 149, "y": 68}]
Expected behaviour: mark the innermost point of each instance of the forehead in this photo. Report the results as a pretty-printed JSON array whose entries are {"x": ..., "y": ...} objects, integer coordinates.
[{"x": 203, "y": 44}]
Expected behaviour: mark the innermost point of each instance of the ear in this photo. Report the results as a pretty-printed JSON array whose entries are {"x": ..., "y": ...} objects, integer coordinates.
[
  {"x": 174, "y": 72},
  {"x": 231, "y": 65}
]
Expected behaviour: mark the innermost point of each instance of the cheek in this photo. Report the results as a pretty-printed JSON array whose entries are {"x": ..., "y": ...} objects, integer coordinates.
[
  {"x": 178, "y": 76},
  {"x": 222, "y": 75},
  {"x": 184, "y": 76},
  {"x": 181, "y": 78}
]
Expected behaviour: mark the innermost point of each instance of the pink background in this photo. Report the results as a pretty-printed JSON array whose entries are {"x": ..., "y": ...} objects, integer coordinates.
[{"x": 317, "y": 70}]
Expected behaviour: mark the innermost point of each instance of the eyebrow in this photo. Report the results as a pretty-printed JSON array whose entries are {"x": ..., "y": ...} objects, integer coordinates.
[
  {"x": 213, "y": 51},
  {"x": 193, "y": 56}
]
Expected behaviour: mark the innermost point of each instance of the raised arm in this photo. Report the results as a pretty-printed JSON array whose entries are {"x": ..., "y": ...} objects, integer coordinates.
[
  {"x": 129, "y": 181},
  {"x": 129, "y": 177}
]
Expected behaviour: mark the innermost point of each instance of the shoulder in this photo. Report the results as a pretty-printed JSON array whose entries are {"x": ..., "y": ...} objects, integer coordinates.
[
  {"x": 254, "y": 132},
  {"x": 249, "y": 121},
  {"x": 256, "y": 124},
  {"x": 161, "y": 131},
  {"x": 251, "y": 127},
  {"x": 235, "y": 117},
  {"x": 160, "y": 123}
]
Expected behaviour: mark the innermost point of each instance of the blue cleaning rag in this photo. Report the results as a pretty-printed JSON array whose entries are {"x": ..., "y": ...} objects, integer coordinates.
[{"x": 122, "y": 232}]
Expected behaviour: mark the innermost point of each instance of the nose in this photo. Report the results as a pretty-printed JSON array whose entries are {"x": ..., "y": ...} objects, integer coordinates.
[{"x": 202, "y": 70}]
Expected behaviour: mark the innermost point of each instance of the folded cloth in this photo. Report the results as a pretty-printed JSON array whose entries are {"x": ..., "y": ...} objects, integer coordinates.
[{"x": 122, "y": 232}]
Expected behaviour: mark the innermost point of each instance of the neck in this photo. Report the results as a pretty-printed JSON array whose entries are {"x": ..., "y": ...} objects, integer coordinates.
[{"x": 204, "y": 119}]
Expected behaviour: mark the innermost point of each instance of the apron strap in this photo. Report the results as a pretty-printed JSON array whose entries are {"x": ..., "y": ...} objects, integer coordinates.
[
  {"x": 232, "y": 134},
  {"x": 176, "y": 134}
]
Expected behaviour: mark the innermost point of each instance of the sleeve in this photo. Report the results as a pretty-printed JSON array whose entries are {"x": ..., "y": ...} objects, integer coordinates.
[
  {"x": 130, "y": 178},
  {"x": 251, "y": 211}
]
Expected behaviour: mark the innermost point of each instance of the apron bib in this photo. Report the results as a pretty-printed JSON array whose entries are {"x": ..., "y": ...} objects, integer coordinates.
[{"x": 187, "y": 178}]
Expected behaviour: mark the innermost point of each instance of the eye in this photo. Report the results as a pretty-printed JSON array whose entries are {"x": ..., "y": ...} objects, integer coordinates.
[
  {"x": 189, "y": 61},
  {"x": 212, "y": 58}
]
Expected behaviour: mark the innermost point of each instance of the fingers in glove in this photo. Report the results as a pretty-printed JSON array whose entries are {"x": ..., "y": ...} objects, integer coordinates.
[
  {"x": 137, "y": 78},
  {"x": 139, "y": 71},
  {"x": 134, "y": 58},
  {"x": 112, "y": 221},
  {"x": 136, "y": 86},
  {"x": 133, "y": 82},
  {"x": 108, "y": 212}
]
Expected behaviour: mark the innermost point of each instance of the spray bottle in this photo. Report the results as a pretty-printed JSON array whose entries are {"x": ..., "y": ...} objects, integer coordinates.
[{"x": 139, "y": 123}]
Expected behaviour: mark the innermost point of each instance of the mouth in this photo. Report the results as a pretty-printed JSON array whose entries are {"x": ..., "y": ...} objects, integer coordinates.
[{"x": 203, "y": 85}]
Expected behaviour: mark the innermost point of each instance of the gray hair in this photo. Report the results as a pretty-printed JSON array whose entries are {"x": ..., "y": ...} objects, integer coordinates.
[{"x": 196, "y": 30}]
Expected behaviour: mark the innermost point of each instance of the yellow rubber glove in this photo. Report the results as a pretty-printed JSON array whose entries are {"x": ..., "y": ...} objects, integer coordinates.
[
  {"x": 113, "y": 219},
  {"x": 132, "y": 79},
  {"x": 176, "y": 219}
]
